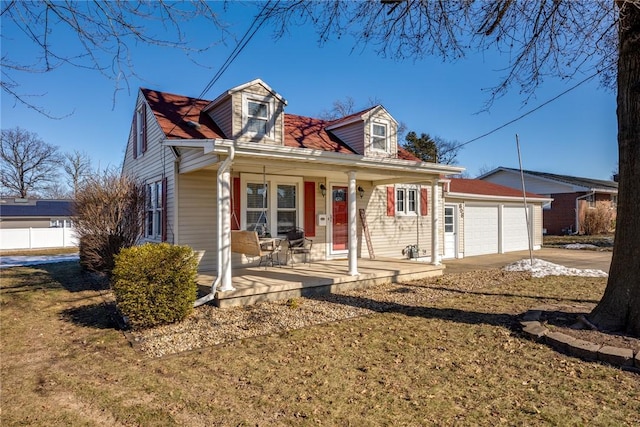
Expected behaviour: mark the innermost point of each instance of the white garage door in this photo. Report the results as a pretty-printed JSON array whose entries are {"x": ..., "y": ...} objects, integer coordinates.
[
  {"x": 480, "y": 230},
  {"x": 515, "y": 229}
]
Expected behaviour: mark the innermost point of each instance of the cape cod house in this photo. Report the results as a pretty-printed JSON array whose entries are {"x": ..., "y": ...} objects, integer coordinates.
[{"x": 239, "y": 162}]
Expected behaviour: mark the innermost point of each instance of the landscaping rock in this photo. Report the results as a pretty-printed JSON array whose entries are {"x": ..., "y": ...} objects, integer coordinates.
[
  {"x": 584, "y": 349},
  {"x": 616, "y": 356},
  {"x": 559, "y": 341}
]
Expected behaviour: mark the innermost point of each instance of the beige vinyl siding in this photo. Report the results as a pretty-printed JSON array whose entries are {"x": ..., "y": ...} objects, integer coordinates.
[
  {"x": 392, "y": 129},
  {"x": 222, "y": 114},
  {"x": 154, "y": 164},
  {"x": 278, "y": 119},
  {"x": 537, "y": 225},
  {"x": 197, "y": 212},
  {"x": 353, "y": 135},
  {"x": 192, "y": 159},
  {"x": 391, "y": 234}
]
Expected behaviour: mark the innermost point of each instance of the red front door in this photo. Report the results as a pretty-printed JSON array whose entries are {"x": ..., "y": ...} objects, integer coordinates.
[{"x": 339, "y": 224}]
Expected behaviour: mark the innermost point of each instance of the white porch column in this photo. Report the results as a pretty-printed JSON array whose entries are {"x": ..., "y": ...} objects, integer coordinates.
[
  {"x": 353, "y": 226},
  {"x": 224, "y": 230},
  {"x": 435, "y": 223}
]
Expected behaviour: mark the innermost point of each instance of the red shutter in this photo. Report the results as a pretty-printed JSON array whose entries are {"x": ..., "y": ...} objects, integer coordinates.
[
  {"x": 235, "y": 204},
  {"x": 424, "y": 205},
  {"x": 164, "y": 209},
  {"x": 144, "y": 128},
  {"x": 310, "y": 208},
  {"x": 135, "y": 134},
  {"x": 391, "y": 201}
]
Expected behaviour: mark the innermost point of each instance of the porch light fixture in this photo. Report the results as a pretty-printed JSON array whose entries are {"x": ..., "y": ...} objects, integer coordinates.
[
  {"x": 323, "y": 190},
  {"x": 360, "y": 191}
]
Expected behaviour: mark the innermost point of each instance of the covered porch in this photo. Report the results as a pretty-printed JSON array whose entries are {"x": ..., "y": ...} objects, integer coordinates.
[{"x": 257, "y": 284}]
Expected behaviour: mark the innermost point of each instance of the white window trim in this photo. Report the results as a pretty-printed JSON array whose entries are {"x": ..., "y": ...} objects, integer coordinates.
[
  {"x": 406, "y": 189},
  {"x": 156, "y": 210},
  {"x": 272, "y": 182},
  {"x": 246, "y": 97},
  {"x": 140, "y": 118},
  {"x": 387, "y": 143}
]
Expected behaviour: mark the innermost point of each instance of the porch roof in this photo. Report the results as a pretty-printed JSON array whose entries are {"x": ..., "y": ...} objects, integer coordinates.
[{"x": 316, "y": 162}]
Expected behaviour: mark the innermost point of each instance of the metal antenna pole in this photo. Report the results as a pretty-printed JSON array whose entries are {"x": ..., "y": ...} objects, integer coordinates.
[{"x": 524, "y": 197}]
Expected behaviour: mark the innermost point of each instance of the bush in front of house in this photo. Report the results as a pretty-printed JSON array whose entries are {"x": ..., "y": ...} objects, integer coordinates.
[
  {"x": 155, "y": 283},
  {"x": 598, "y": 220},
  {"x": 108, "y": 216}
]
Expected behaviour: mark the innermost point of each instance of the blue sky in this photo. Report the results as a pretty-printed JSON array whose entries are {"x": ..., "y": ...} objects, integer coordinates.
[{"x": 574, "y": 135}]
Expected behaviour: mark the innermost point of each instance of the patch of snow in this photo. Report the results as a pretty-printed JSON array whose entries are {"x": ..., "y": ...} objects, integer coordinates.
[
  {"x": 21, "y": 261},
  {"x": 580, "y": 246},
  {"x": 542, "y": 268}
]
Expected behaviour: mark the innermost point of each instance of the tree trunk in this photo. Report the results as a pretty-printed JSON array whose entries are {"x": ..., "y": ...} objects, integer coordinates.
[{"x": 619, "y": 308}]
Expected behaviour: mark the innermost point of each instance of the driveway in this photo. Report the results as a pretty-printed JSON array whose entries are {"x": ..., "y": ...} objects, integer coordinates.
[{"x": 575, "y": 258}]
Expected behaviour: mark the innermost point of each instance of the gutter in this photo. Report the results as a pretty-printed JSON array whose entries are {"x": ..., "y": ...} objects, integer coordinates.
[
  {"x": 260, "y": 152},
  {"x": 224, "y": 167}
]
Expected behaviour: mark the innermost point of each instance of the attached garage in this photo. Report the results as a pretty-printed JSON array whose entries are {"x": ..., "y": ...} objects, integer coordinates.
[
  {"x": 491, "y": 218},
  {"x": 480, "y": 230}
]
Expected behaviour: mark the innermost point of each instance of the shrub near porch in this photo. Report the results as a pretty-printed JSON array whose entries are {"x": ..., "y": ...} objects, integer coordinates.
[{"x": 155, "y": 284}]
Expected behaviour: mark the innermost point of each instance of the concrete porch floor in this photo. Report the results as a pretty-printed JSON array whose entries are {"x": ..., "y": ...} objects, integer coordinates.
[{"x": 257, "y": 284}]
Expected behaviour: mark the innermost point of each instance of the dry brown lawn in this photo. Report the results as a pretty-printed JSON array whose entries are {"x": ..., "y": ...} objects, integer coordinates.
[{"x": 459, "y": 361}]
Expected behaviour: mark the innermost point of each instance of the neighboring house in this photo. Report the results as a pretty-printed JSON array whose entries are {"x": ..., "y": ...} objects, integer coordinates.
[
  {"x": 33, "y": 223},
  {"x": 240, "y": 162},
  {"x": 485, "y": 218},
  {"x": 35, "y": 213},
  {"x": 572, "y": 196}
]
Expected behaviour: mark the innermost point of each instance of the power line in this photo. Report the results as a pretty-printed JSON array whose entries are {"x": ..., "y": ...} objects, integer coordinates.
[
  {"x": 530, "y": 111},
  {"x": 246, "y": 38}
]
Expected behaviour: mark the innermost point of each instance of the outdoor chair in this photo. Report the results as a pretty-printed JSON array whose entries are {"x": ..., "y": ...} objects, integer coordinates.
[{"x": 297, "y": 243}]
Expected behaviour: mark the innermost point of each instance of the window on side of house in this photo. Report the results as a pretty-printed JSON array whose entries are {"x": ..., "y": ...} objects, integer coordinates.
[
  {"x": 154, "y": 205},
  {"x": 141, "y": 131},
  {"x": 407, "y": 201},
  {"x": 614, "y": 201},
  {"x": 379, "y": 136}
]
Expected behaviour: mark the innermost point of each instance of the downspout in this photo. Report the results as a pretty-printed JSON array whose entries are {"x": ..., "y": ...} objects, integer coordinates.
[
  {"x": 224, "y": 168},
  {"x": 592, "y": 193}
]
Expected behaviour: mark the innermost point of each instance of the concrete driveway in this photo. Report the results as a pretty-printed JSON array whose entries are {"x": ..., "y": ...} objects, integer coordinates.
[{"x": 575, "y": 258}]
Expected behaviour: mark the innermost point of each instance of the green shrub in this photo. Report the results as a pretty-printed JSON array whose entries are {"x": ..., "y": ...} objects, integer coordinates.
[{"x": 155, "y": 284}]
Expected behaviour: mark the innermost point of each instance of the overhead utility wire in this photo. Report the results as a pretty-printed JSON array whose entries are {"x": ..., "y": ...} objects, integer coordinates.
[
  {"x": 232, "y": 56},
  {"x": 239, "y": 47},
  {"x": 530, "y": 111}
]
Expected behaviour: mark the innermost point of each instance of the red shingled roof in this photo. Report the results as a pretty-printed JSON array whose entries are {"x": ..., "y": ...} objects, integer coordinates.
[
  {"x": 477, "y": 186},
  {"x": 174, "y": 111},
  {"x": 307, "y": 132}
]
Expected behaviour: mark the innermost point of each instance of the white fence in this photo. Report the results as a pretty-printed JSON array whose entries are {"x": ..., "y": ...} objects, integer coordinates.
[{"x": 31, "y": 238}]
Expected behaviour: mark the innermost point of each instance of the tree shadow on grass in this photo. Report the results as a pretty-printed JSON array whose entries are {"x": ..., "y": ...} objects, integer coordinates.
[
  {"x": 456, "y": 315},
  {"x": 60, "y": 275},
  {"x": 503, "y": 294}
]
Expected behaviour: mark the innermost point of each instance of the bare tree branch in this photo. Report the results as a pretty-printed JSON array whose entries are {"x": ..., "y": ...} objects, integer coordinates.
[{"x": 98, "y": 36}]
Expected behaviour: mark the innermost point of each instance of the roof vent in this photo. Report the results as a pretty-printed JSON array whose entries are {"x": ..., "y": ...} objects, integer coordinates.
[{"x": 192, "y": 124}]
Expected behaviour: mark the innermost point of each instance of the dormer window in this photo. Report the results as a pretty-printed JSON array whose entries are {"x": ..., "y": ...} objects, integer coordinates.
[
  {"x": 379, "y": 136},
  {"x": 258, "y": 116}
]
